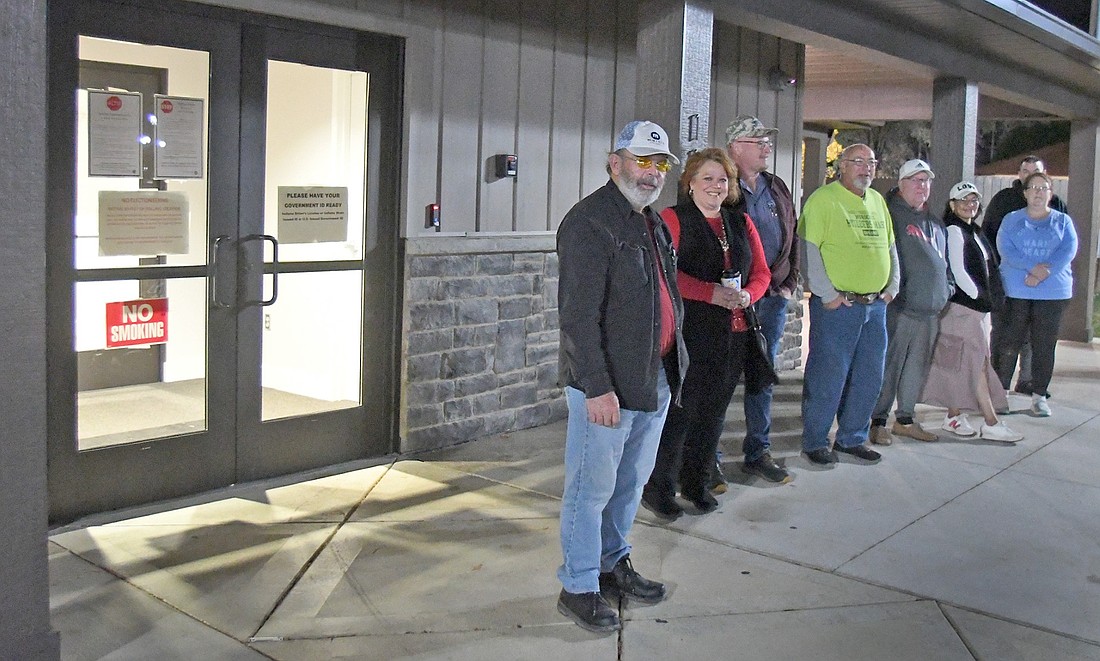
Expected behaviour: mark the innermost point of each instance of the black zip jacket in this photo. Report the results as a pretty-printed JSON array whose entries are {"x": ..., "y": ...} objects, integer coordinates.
[{"x": 609, "y": 306}]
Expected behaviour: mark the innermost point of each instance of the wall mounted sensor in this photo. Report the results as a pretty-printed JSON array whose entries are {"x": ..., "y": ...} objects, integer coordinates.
[
  {"x": 431, "y": 217},
  {"x": 506, "y": 165}
]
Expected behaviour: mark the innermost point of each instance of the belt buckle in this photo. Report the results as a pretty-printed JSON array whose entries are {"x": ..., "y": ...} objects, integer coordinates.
[{"x": 863, "y": 299}]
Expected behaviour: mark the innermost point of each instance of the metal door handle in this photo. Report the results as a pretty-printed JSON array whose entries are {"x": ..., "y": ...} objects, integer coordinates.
[
  {"x": 214, "y": 268},
  {"x": 274, "y": 265}
]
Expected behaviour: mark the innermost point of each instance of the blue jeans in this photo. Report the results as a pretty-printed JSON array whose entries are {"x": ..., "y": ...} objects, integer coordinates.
[
  {"x": 772, "y": 312},
  {"x": 605, "y": 470},
  {"x": 843, "y": 372}
]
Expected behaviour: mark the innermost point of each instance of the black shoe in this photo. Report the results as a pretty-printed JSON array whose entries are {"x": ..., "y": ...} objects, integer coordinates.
[
  {"x": 823, "y": 456},
  {"x": 766, "y": 468},
  {"x": 589, "y": 611},
  {"x": 861, "y": 451},
  {"x": 664, "y": 506},
  {"x": 1023, "y": 387},
  {"x": 623, "y": 581},
  {"x": 704, "y": 502},
  {"x": 718, "y": 483}
]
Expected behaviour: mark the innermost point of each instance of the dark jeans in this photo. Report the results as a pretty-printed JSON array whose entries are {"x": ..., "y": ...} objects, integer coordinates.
[
  {"x": 1031, "y": 321},
  {"x": 1000, "y": 322},
  {"x": 692, "y": 430}
]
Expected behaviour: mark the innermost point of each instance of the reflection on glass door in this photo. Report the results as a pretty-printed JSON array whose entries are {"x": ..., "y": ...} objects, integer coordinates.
[
  {"x": 140, "y": 316},
  {"x": 314, "y": 201}
]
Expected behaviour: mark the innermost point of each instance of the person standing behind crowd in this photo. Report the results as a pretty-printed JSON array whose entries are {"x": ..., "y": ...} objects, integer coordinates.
[
  {"x": 714, "y": 241},
  {"x": 768, "y": 200},
  {"x": 912, "y": 319},
  {"x": 1004, "y": 202},
  {"x": 962, "y": 377},
  {"x": 851, "y": 268},
  {"x": 1037, "y": 246},
  {"x": 622, "y": 359}
]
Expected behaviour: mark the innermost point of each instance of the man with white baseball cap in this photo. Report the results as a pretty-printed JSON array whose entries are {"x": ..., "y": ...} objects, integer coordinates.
[
  {"x": 622, "y": 360},
  {"x": 912, "y": 318}
]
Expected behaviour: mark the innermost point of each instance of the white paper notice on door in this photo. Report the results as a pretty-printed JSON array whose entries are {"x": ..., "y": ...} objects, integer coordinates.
[
  {"x": 142, "y": 223},
  {"x": 114, "y": 134},
  {"x": 178, "y": 143},
  {"x": 313, "y": 214}
]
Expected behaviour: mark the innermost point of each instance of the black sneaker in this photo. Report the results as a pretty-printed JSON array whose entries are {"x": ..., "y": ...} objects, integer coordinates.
[
  {"x": 766, "y": 468},
  {"x": 860, "y": 451},
  {"x": 623, "y": 581},
  {"x": 664, "y": 506},
  {"x": 703, "y": 501},
  {"x": 589, "y": 611},
  {"x": 718, "y": 483},
  {"x": 823, "y": 456}
]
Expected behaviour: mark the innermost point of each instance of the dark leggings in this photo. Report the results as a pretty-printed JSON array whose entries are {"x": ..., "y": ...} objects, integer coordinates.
[
  {"x": 691, "y": 432},
  {"x": 1033, "y": 321}
]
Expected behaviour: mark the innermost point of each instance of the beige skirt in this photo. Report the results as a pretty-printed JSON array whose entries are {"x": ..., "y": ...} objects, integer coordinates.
[{"x": 960, "y": 362}]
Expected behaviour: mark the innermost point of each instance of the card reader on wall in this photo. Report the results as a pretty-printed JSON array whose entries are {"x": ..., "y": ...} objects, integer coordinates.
[
  {"x": 431, "y": 217},
  {"x": 507, "y": 165}
]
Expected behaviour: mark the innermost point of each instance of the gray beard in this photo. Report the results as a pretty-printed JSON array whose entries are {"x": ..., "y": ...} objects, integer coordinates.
[{"x": 638, "y": 198}]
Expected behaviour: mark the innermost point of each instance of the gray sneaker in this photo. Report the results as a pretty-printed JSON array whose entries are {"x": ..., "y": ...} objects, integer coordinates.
[
  {"x": 766, "y": 468},
  {"x": 1039, "y": 406}
]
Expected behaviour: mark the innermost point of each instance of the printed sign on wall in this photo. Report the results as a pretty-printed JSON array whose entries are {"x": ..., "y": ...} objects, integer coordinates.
[
  {"x": 144, "y": 321},
  {"x": 114, "y": 134},
  {"x": 313, "y": 214},
  {"x": 142, "y": 223},
  {"x": 179, "y": 122}
]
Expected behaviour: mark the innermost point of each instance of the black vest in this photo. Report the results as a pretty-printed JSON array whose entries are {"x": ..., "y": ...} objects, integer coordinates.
[{"x": 700, "y": 256}]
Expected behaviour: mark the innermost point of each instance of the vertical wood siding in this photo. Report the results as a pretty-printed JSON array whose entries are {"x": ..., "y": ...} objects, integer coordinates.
[
  {"x": 743, "y": 62},
  {"x": 550, "y": 82}
]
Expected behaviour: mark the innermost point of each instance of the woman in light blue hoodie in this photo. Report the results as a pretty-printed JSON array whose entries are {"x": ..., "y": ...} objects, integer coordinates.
[{"x": 1037, "y": 246}]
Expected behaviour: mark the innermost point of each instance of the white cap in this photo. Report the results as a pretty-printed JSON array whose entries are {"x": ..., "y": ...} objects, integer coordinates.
[
  {"x": 960, "y": 190},
  {"x": 644, "y": 138},
  {"x": 910, "y": 168}
]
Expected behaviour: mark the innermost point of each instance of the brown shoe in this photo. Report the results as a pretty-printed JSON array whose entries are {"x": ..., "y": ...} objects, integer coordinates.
[
  {"x": 880, "y": 435},
  {"x": 914, "y": 431}
]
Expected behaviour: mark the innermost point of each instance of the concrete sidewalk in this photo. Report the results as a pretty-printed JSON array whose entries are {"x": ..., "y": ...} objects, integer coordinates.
[{"x": 960, "y": 549}]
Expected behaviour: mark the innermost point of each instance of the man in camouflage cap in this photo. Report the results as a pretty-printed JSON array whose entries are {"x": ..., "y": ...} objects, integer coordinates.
[{"x": 751, "y": 144}]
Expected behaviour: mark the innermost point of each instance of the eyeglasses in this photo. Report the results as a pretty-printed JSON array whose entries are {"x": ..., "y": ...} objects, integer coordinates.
[
  {"x": 763, "y": 143},
  {"x": 1039, "y": 188},
  {"x": 860, "y": 162},
  {"x": 645, "y": 163}
]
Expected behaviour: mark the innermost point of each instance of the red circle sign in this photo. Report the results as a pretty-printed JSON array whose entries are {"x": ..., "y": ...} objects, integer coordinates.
[
  {"x": 114, "y": 103},
  {"x": 166, "y": 106}
]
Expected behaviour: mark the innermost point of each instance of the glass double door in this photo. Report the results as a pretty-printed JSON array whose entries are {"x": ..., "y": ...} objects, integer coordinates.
[{"x": 222, "y": 258}]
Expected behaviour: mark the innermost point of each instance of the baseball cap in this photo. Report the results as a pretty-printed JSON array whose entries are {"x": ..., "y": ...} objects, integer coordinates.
[
  {"x": 747, "y": 126},
  {"x": 912, "y": 167},
  {"x": 644, "y": 138},
  {"x": 960, "y": 190}
]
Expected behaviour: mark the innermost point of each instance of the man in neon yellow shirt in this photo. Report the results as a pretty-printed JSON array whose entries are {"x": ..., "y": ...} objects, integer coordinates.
[{"x": 851, "y": 269}]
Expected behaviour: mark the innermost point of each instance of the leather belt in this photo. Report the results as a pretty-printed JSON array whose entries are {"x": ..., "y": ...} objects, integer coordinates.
[{"x": 865, "y": 299}]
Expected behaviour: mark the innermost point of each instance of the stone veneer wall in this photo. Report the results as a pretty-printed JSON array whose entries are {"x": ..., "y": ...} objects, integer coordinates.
[{"x": 480, "y": 320}]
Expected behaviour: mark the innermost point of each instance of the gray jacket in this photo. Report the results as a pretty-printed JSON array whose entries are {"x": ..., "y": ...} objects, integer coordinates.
[{"x": 921, "y": 241}]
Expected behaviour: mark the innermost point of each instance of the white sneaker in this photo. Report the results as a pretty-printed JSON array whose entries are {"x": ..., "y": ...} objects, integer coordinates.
[
  {"x": 1000, "y": 432},
  {"x": 958, "y": 425},
  {"x": 1039, "y": 406}
]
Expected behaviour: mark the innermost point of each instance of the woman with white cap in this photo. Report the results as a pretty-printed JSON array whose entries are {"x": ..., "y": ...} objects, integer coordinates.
[{"x": 962, "y": 377}]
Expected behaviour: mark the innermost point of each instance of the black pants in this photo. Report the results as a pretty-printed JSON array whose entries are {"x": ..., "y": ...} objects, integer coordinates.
[
  {"x": 692, "y": 430},
  {"x": 997, "y": 338},
  {"x": 1031, "y": 321}
]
